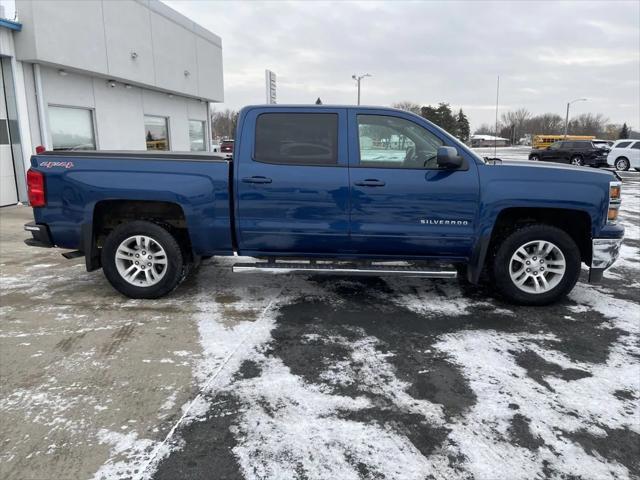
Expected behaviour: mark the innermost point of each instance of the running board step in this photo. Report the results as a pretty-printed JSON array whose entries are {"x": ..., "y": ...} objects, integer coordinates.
[{"x": 348, "y": 269}]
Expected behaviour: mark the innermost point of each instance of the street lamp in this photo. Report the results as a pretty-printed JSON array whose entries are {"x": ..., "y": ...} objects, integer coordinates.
[
  {"x": 357, "y": 78},
  {"x": 566, "y": 120}
]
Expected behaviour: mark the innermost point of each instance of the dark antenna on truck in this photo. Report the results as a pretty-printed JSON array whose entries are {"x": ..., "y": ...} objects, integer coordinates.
[{"x": 495, "y": 139}]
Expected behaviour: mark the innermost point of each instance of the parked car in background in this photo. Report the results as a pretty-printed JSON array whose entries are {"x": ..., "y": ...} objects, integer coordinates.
[
  {"x": 576, "y": 152},
  {"x": 625, "y": 154},
  {"x": 226, "y": 146},
  {"x": 543, "y": 141},
  {"x": 602, "y": 143}
]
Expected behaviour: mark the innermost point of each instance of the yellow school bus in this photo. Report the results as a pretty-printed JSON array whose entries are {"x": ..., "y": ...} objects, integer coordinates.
[{"x": 543, "y": 141}]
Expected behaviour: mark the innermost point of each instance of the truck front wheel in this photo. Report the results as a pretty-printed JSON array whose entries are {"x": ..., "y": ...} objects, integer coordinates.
[
  {"x": 142, "y": 260},
  {"x": 536, "y": 265}
]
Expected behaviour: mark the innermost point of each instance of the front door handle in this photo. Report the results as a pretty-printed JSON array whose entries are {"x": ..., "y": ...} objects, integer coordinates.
[
  {"x": 257, "y": 179},
  {"x": 370, "y": 182}
]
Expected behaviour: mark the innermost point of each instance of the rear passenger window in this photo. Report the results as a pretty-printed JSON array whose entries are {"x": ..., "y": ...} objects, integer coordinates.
[
  {"x": 623, "y": 145},
  {"x": 636, "y": 146},
  {"x": 297, "y": 138}
]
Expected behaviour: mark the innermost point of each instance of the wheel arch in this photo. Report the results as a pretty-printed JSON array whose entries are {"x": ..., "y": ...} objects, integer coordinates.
[
  {"x": 108, "y": 214},
  {"x": 576, "y": 223}
]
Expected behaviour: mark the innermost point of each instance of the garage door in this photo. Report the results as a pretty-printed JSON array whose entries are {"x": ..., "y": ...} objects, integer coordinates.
[{"x": 8, "y": 192}]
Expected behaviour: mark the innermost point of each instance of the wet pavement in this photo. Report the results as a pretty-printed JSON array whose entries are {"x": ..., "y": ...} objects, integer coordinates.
[{"x": 314, "y": 377}]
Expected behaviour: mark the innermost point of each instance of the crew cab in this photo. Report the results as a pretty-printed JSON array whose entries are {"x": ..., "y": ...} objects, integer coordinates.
[
  {"x": 575, "y": 152},
  {"x": 329, "y": 189}
]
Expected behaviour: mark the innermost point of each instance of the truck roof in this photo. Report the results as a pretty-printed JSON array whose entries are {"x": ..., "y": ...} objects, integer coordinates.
[{"x": 314, "y": 106}]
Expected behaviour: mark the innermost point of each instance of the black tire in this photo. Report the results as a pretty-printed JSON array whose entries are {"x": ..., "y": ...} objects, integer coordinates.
[
  {"x": 534, "y": 158},
  {"x": 175, "y": 266},
  {"x": 502, "y": 260},
  {"x": 577, "y": 160},
  {"x": 622, "y": 164}
]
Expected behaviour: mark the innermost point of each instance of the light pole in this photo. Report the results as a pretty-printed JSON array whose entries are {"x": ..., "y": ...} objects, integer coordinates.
[
  {"x": 358, "y": 78},
  {"x": 566, "y": 120}
]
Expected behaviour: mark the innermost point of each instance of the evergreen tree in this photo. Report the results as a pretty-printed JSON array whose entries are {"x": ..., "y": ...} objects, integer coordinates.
[
  {"x": 462, "y": 126},
  {"x": 441, "y": 116},
  {"x": 429, "y": 113},
  {"x": 624, "y": 131}
]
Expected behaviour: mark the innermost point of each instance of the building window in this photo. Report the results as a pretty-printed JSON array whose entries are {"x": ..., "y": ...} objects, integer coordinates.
[
  {"x": 157, "y": 132},
  {"x": 71, "y": 128},
  {"x": 196, "y": 136}
]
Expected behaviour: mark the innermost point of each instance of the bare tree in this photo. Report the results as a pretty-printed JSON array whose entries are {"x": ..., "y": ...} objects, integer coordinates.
[
  {"x": 547, "y": 123},
  {"x": 223, "y": 124},
  {"x": 588, "y": 124},
  {"x": 408, "y": 106},
  {"x": 484, "y": 129},
  {"x": 515, "y": 123}
]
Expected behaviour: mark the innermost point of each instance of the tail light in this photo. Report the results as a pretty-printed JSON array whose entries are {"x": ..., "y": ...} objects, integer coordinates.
[
  {"x": 40, "y": 149},
  {"x": 35, "y": 188}
]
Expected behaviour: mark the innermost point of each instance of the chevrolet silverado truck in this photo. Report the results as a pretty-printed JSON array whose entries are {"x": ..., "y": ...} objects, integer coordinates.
[{"x": 329, "y": 189}]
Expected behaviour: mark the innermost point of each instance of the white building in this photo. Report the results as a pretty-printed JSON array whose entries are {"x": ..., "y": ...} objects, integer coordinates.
[
  {"x": 488, "y": 141},
  {"x": 101, "y": 74}
]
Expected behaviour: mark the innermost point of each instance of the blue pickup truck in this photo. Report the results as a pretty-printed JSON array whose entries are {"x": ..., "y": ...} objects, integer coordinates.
[{"x": 329, "y": 189}]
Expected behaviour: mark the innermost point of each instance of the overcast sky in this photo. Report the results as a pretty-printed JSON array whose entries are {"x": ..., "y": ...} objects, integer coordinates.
[{"x": 546, "y": 53}]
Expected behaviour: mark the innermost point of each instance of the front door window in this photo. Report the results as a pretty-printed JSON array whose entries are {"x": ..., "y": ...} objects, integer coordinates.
[{"x": 393, "y": 142}]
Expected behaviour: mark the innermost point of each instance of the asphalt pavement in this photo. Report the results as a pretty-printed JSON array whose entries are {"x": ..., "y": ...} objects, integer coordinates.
[{"x": 253, "y": 376}]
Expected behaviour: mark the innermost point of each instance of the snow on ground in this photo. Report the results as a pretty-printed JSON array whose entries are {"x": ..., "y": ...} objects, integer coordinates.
[
  {"x": 357, "y": 378},
  {"x": 534, "y": 408},
  {"x": 504, "y": 153}
]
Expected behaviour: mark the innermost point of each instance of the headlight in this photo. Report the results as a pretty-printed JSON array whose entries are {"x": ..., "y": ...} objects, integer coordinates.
[
  {"x": 614, "y": 201},
  {"x": 614, "y": 190}
]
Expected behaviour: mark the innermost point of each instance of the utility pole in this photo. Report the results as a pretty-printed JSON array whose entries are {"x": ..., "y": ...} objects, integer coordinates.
[
  {"x": 358, "y": 78},
  {"x": 566, "y": 120}
]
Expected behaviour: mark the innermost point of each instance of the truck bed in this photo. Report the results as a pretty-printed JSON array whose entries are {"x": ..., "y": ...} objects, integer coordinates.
[
  {"x": 84, "y": 184},
  {"x": 140, "y": 154}
]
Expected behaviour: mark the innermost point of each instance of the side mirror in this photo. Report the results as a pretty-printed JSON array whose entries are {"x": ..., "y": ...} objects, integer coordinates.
[{"x": 448, "y": 158}]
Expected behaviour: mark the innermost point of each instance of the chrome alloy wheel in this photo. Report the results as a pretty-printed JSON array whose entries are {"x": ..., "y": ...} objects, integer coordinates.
[
  {"x": 537, "y": 266},
  {"x": 141, "y": 261}
]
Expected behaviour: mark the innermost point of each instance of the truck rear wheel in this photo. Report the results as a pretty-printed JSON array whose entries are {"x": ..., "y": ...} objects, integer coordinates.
[
  {"x": 142, "y": 260},
  {"x": 536, "y": 265}
]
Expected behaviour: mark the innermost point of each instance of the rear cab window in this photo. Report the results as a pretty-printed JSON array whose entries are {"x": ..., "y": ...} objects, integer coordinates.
[{"x": 297, "y": 138}]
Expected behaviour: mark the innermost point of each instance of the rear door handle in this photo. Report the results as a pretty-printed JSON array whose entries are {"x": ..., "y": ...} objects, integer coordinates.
[
  {"x": 256, "y": 180},
  {"x": 370, "y": 182}
]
